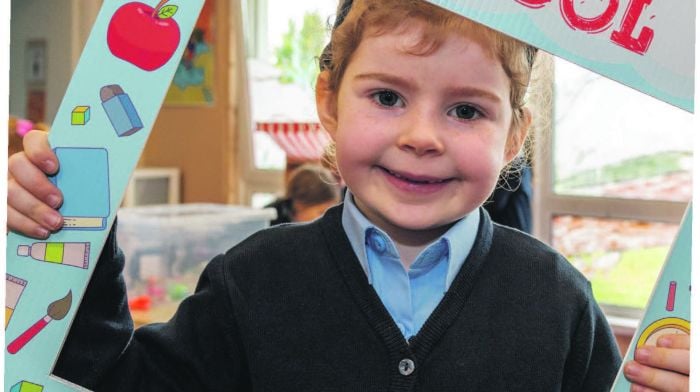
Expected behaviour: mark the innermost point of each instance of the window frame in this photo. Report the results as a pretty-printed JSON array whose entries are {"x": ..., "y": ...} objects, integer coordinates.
[
  {"x": 547, "y": 204},
  {"x": 250, "y": 40}
]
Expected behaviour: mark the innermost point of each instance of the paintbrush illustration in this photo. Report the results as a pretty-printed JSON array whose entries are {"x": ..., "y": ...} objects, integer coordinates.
[{"x": 57, "y": 310}]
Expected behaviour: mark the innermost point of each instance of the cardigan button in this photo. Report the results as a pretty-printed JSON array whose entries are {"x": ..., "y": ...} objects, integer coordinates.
[{"x": 406, "y": 366}]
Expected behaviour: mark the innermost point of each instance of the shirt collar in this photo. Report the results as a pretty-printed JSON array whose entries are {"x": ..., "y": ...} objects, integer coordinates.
[{"x": 459, "y": 238}]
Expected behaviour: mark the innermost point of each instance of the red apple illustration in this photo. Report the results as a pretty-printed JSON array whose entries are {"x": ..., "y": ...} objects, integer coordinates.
[{"x": 144, "y": 36}]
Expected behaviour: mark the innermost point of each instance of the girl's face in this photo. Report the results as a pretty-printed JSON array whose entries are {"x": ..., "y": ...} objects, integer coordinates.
[{"x": 420, "y": 139}]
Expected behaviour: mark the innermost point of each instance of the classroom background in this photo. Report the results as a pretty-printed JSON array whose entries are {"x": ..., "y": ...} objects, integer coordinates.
[{"x": 610, "y": 168}]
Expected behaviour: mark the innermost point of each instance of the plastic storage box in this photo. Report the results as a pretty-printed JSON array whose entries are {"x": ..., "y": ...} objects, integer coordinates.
[{"x": 165, "y": 243}]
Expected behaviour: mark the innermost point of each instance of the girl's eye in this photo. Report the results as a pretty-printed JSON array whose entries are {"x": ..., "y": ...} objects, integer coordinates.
[
  {"x": 465, "y": 112},
  {"x": 387, "y": 98}
]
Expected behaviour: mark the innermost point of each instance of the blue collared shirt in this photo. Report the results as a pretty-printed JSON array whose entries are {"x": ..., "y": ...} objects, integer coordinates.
[{"x": 409, "y": 296}]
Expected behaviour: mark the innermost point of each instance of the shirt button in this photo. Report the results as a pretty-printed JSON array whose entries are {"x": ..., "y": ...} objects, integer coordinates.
[
  {"x": 406, "y": 367},
  {"x": 378, "y": 243}
]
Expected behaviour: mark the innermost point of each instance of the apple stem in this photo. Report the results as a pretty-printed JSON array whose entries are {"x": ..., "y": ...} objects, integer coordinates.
[{"x": 158, "y": 7}]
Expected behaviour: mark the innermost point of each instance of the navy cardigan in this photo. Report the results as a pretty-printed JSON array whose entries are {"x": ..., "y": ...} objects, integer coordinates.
[{"x": 290, "y": 309}]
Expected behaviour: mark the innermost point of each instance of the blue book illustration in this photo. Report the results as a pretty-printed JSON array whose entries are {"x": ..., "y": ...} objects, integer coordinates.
[{"x": 84, "y": 180}]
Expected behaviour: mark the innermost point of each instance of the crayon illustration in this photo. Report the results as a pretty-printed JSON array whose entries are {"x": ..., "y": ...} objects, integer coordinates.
[
  {"x": 664, "y": 326},
  {"x": 76, "y": 254},
  {"x": 14, "y": 287},
  {"x": 144, "y": 36},
  {"x": 26, "y": 386},
  {"x": 57, "y": 310},
  {"x": 671, "y": 298},
  {"x": 80, "y": 115},
  {"x": 120, "y": 110}
]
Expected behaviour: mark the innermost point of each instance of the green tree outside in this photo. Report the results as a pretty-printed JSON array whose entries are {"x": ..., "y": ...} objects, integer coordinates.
[{"x": 297, "y": 56}]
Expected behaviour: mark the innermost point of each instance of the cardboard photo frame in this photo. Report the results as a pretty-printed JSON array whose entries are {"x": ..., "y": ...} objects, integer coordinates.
[
  {"x": 126, "y": 113},
  {"x": 99, "y": 132}
]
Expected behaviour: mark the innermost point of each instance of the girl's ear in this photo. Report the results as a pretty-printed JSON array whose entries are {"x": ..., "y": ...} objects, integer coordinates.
[
  {"x": 517, "y": 136},
  {"x": 326, "y": 104}
]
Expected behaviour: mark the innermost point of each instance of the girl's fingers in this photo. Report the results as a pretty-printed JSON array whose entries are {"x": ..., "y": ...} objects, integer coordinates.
[
  {"x": 26, "y": 177},
  {"x": 21, "y": 224},
  {"x": 681, "y": 341},
  {"x": 655, "y": 379},
  {"x": 674, "y": 359},
  {"x": 26, "y": 207},
  {"x": 37, "y": 148},
  {"x": 640, "y": 388}
]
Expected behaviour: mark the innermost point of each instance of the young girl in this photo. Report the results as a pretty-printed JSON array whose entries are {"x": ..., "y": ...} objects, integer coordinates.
[{"x": 407, "y": 286}]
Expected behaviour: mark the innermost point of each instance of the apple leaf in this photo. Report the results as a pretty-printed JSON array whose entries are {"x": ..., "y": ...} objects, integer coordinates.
[{"x": 167, "y": 12}]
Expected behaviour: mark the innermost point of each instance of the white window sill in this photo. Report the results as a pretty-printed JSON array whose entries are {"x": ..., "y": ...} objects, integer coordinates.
[{"x": 623, "y": 326}]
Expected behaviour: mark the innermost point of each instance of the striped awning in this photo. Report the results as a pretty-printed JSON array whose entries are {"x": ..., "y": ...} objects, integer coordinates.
[{"x": 303, "y": 142}]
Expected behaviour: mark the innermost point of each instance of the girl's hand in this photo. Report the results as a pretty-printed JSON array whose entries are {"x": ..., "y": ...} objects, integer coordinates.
[
  {"x": 663, "y": 368},
  {"x": 31, "y": 198}
]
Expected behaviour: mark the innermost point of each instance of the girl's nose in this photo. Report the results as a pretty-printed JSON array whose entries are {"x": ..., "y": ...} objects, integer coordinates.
[{"x": 421, "y": 137}]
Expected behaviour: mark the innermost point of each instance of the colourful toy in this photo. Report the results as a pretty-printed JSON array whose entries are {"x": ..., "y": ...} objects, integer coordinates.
[
  {"x": 142, "y": 302},
  {"x": 178, "y": 291}
]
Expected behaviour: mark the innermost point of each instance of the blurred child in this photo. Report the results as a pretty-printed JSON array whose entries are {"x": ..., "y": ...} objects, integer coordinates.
[
  {"x": 406, "y": 286},
  {"x": 311, "y": 190}
]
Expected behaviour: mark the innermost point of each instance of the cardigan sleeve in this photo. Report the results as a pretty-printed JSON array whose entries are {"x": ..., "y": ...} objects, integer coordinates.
[
  {"x": 198, "y": 349},
  {"x": 595, "y": 357}
]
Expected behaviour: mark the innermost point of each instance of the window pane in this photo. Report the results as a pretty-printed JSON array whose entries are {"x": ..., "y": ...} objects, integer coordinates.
[
  {"x": 268, "y": 155},
  {"x": 613, "y": 141},
  {"x": 290, "y": 36},
  {"x": 621, "y": 258}
]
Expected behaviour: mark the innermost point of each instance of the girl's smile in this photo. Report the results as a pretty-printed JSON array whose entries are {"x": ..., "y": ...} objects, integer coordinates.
[
  {"x": 420, "y": 137},
  {"x": 415, "y": 183}
]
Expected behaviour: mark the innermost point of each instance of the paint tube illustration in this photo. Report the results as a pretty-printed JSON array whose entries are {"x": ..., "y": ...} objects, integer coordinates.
[
  {"x": 14, "y": 287},
  {"x": 75, "y": 254}
]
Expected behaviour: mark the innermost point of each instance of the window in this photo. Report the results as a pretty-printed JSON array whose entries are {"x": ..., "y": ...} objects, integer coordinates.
[
  {"x": 282, "y": 41},
  {"x": 613, "y": 179}
]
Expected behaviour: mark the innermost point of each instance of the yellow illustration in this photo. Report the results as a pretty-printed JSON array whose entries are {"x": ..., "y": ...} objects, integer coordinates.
[{"x": 664, "y": 326}]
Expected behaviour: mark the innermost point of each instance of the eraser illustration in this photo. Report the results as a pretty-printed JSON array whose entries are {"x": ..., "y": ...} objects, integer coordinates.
[
  {"x": 120, "y": 110},
  {"x": 80, "y": 115},
  {"x": 26, "y": 386},
  {"x": 14, "y": 287},
  {"x": 75, "y": 254}
]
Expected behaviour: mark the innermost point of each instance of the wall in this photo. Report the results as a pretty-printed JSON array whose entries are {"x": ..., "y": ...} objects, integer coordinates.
[
  {"x": 64, "y": 25},
  {"x": 29, "y": 22},
  {"x": 200, "y": 140}
]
